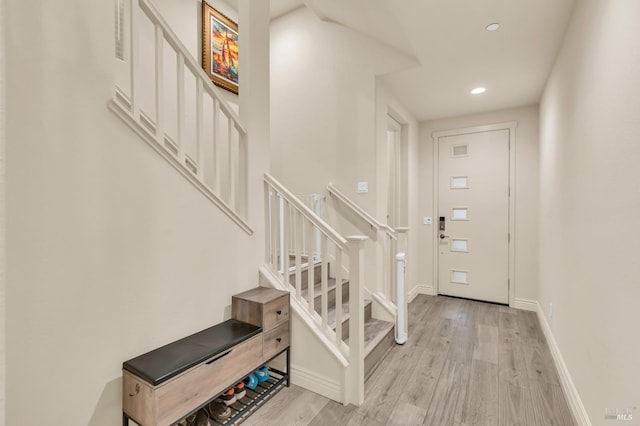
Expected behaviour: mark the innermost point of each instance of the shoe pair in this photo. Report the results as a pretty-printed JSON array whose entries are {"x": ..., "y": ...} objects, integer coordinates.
[
  {"x": 263, "y": 373},
  {"x": 219, "y": 410},
  {"x": 201, "y": 418},
  {"x": 233, "y": 394}
]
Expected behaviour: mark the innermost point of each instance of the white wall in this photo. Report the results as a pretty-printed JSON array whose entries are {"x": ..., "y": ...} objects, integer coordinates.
[
  {"x": 526, "y": 194},
  {"x": 111, "y": 253},
  {"x": 590, "y": 202},
  {"x": 3, "y": 264},
  {"x": 329, "y": 114},
  {"x": 323, "y": 104}
]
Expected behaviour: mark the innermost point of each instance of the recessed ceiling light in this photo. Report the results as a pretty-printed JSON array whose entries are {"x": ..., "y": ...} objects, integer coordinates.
[
  {"x": 478, "y": 90},
  {"x": 492, "y": 27}
]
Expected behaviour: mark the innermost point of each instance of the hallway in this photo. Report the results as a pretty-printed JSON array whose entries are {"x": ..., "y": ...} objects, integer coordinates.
[{"x": 466, "y": 363}]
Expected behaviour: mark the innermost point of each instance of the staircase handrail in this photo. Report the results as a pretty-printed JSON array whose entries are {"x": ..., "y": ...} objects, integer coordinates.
[
  {"x": 324, "y": 227},
  {"x": 363, "y": 214}
]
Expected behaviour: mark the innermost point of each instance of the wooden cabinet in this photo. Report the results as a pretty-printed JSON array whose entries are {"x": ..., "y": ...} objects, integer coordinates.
[
  {"x": 269, "y": 309},
  {"x": 165, "y": 385}
]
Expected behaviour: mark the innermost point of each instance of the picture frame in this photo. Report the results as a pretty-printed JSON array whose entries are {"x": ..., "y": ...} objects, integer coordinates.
[{"x": 220, "y": 48}]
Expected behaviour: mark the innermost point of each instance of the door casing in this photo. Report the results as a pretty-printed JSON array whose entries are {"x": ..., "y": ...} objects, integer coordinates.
[{"x": 511, "y": 127}]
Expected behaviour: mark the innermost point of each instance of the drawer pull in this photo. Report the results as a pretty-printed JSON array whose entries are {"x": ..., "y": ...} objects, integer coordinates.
[
  {"x": 279, "y": 312},
  {"x": 278, "y": 339},
  {"x": 218, "y": 357},
  {"x": 137, "y": 390}
]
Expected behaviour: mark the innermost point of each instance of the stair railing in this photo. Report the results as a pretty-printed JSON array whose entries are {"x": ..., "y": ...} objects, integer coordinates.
[
  {"x": 389, "y": 291},
  {"x": 173, "y": 105},
  {"x": 289, "y": 222},
  {"x": 315, "y": 202}
]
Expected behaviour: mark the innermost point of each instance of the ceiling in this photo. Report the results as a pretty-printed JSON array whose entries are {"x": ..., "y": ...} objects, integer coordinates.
[{"x": 453, "y": 50}]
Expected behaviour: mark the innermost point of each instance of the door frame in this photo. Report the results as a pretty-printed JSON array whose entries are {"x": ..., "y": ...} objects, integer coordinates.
[
  {"x": 394, "y": 182},
  {"x": 511, "y": 127}
]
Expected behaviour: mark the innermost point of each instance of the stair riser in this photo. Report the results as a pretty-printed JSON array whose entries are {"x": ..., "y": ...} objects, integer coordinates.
[
  {"x": 345, "y": 323},
  {"x": 304, "y": 274},
  {"x": 317, "y": 303},
  {"x": 376, "y": 355}
]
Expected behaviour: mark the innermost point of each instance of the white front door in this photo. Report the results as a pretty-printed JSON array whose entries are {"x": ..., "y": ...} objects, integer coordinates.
[{"x": 473, "y": 204}]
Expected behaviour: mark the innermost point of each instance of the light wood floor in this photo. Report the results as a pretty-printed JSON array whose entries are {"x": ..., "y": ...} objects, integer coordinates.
[{"x": 466, "y": 363}]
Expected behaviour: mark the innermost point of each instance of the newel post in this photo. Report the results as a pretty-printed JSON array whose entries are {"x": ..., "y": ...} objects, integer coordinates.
[
  {"x": 355, "y": 379},
  {"x": 402, "y": 302}
]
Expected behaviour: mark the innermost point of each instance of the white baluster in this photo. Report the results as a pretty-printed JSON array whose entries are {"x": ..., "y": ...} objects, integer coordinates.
[
  {"x": 134, "y": 57},
  {"x": 324, "y": 292},
  {"x": 286, "y": 241},
  {"x": 181, "y": 111},
  {"x": 231, "y": 161},
  {"x": 159, "y": 84},
  {"x": 281, "y": 227},
  {"x": 297, "y": 227},
  {"x": 200, "y": 128},
  {"x": 242, "y": 198},
  {"x": 216, "y": 155},
  {"x": 311, "y": 267},
  {"x": 338, "y": 295},
  {"x": 268, "y": 230}
]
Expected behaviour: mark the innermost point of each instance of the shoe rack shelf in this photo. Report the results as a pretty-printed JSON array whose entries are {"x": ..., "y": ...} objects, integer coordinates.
[
  {"x": 163, "y": 386},
  {"x": 254, "y": 398}
]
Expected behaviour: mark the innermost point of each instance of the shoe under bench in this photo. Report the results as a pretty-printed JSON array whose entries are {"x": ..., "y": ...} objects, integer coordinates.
[{"x": 169, "y": 383}]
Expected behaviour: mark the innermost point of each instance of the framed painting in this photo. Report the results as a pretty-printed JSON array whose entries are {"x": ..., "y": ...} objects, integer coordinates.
[{"x": 219, "y": 48}]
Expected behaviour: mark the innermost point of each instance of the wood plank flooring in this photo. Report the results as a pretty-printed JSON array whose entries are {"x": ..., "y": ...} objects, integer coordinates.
[{"x": 465, "y": 363}]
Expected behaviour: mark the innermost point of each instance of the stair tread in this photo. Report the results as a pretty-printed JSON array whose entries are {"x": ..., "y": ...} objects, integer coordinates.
[
  {"x": 374, "y": 332},
  {"x": 331, "y": 284},
  {"x": 331, "y": 313}
]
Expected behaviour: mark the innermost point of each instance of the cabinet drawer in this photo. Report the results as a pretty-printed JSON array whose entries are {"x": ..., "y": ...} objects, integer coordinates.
[
  {"x": 275, "y": 312},
  {"x": 261, "y": 306},
  {"x": 275, "y": 340},
  {"x": 168, "y": 402}
]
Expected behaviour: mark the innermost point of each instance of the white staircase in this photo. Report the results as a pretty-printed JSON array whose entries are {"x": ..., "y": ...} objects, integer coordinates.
[
  {"x": 332, "y": 306},
  {"x": 178, "y": 111}
]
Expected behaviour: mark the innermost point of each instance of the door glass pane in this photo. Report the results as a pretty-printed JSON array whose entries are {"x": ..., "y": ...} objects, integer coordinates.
[
  {"x": 458, "y": 182},
  {"x": 459, "y": 151},
  {"x": 459, "y": 277},
  {"x": 459, "y": 245},
  {"x": 459, "y": 213}
]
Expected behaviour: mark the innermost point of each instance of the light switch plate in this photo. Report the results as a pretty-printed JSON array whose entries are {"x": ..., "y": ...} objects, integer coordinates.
[
  {"x": 363, "y": 187},
  {"x": 427, "y": 220}
]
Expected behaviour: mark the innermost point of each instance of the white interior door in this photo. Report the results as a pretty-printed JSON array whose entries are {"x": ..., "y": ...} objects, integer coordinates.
[{"x": 473, "y": 203}]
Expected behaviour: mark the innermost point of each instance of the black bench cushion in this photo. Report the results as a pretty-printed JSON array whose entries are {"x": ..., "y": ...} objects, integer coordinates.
[{"x": 168, "y": 361}]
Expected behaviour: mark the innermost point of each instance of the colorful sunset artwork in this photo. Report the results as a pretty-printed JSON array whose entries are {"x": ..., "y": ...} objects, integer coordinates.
[
  {"x": 220, "y": 48},
  {"x": 224, "y": 51}
]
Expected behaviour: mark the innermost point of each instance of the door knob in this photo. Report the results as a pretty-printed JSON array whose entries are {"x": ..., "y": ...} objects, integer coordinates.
[{"x": 442, "y": 236}]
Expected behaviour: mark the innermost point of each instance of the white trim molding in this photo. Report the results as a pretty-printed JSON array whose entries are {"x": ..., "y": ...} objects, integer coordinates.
[
  {"x": 525, "y": 304},
  {"x": 421, "y": 289},
  {"x": 571, "y": 393},
  {"x": 316, "y": 383}
]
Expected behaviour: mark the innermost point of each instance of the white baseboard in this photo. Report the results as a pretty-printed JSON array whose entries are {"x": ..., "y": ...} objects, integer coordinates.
[
  {"x": 525, "y": 304},
  {"x": 316, "y": 383},
  {"x": 421, "y": 289},
  {"x": 573, "y": 398}
]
